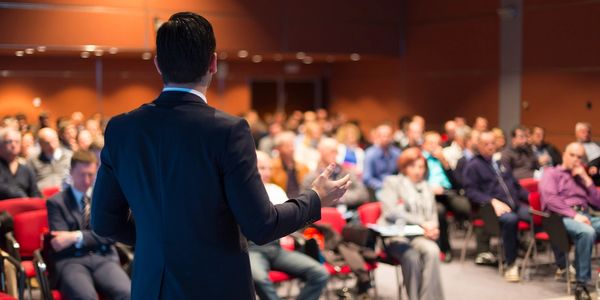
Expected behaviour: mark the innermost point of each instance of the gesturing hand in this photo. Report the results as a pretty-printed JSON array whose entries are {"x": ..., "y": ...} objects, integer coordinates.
[{"x": 330, "y": 191}]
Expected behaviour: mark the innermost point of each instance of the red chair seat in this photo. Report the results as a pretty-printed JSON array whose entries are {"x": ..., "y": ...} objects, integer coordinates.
[
  {"x": 4, "y": 296},
  {"x": 277, "y": 276},
  {"x": 56, "y": 295},
  {"x": 478, "y": 223},
  {"x": 371, "y": 266},
  {"x": 523, "y": 226},
  {"x": 332, "y": 270},
  {"x": 542, "y": 236},
  {"x": 29, "y": 269}
]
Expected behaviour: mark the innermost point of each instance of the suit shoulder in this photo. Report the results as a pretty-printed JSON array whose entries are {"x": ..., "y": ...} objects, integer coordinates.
[
  {"x": 57, "y": 199},
  {"x": 227, "y": 120}
]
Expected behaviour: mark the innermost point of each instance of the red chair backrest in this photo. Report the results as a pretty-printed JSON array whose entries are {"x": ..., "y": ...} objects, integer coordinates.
[
  {"x": 29, "y": 227},
  {"x": 50, "y": 191},
  {"x": 530, "y": 184},
  {"x": 331, "y": 216},
  {"x": 535, "y": 203},
  {"x": 369, "y": 213},
  {"x": 16, "y": 206}
]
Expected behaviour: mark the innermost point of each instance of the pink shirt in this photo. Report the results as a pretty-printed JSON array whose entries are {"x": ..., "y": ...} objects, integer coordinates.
[{"x": 561, "y": 191}]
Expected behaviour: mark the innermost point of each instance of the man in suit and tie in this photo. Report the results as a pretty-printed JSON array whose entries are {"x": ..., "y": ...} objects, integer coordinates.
[
  {"x": 83, "y": 259},
  {"x": 188, "y": 173}
]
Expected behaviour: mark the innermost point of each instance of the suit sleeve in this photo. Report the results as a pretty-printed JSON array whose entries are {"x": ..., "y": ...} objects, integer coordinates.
[
  {"x": 472, "y": 186},
  {"x": 258, "y": 219},
  {"x": 110, "y": 211}
]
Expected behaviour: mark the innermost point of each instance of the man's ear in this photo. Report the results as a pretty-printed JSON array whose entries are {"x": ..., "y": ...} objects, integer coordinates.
[
  {"x": 212, "y": 67},
  {"x": 156, "y": 65}
]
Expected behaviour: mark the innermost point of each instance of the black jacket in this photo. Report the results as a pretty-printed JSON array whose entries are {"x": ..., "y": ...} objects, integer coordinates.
[{"x": 188, "y": 173}]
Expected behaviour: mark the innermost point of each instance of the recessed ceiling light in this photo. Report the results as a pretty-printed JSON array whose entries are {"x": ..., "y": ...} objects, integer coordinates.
[
  {"x": 146, "y": 55},
  {"x": 113, "y": 50},
  {"x": 354, "y": 57},
  {"x": 300, "y": 55},
  {"x": 29, "y": 51},
  {"x": 242, "y": 54},
  {"x": 98, "y": 52},
  {"x": 41, "y": 48},
  {"x": 19, "y": 53},
  {"x": 89, "y": 48},
  {"x": 257, "y": 58},
  {"x": 307, "y": 60},
  {"x": 85, "y": 54}
]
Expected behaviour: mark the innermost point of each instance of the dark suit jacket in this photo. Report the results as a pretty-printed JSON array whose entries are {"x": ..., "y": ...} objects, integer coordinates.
[
  {"x": 64, "y": 215},
  {"x": 188, "y": 173}
]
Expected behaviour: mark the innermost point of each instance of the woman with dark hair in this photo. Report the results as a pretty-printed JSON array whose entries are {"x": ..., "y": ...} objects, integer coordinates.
[{"x": 407, "y": 199}]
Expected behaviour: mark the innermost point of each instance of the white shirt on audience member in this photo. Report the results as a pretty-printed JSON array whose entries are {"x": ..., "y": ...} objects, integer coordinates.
[{"x": 276, "y": 194}]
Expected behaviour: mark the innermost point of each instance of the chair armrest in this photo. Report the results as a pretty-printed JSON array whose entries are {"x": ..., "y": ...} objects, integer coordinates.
[
  {"x": 12, "y": 246},
  {"x": 40, "y": 272},
  {"x": 124, "y": 252},
  {"x": 538, "y": 213}
]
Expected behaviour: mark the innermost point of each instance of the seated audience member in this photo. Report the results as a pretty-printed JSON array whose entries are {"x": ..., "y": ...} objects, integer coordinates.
[
  {"x": 583, "y": 134},
  {"x": 414, "y": 135},
  {"x": 519, "y": 157},
  {"x": 380, "y": 159},
  {"x": 306, "y": 145},
  {"x": 488, "y": 182},
  {"x": 500, "y": 141},
  {"x": 546, "y": 153},
  {"x": 267, "y": 143},
  {"x": 400, "y": 135},
  {"x": 440, "y": 178},
  {"x": 568, "y": 191},
  {"x": 84, "y": 139},
  {"x": 469, "y": 151},
  {"x": 28, "y": 147},
  {"x": 357, "y": 193},
  {"x": 449, "y": 133},
  {"x": 418, "y": 256},
  {"x": 16, "y": 180},
  {"x": 454, "y": 151},
  {"x": 51, "y": 166},
  {"x": 460, "y": 122},
  {"x": 287, "y": 172},
  {"x": 350, "y": 155},
  {"x": 67, "y": 133},
  {"x": 480, "y": 124},
  {"x": 84, "y": 261},
  {"x": 272, "y": 257}
]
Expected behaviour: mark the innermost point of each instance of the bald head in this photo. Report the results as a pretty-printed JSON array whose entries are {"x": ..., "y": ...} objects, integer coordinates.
[
  {"x": 48, "y": 139},
  {"x": 573, "y": 155},
  {"x": 263, "y": 164},
  {"x": 328, "y": 149}
]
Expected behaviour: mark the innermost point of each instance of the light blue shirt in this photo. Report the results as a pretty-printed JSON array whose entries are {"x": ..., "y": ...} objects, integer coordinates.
[
  {"x": 437, "y": 175},
  {"x": 379, "y": 163}
]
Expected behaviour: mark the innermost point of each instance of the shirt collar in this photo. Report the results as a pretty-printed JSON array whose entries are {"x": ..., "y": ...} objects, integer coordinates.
[
  {"x": 186, "y": 90},
  {"x": 77, "y": 194}
]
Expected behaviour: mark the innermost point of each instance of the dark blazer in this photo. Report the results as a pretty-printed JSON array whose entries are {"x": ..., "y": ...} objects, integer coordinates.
[
  {"x": 188, "y": 173},
  {"x": 482, "y": 184},
  {"x": 64, "y": 215}
]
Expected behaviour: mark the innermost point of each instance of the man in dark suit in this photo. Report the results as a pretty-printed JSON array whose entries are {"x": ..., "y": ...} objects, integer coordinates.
[
  {"x": 188, "y": 173},
  {"x": 83, "y": 259}
]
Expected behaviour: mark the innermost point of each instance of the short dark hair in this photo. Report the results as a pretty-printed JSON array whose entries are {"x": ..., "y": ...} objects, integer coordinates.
[
  {"x": 523, "y": 128},
  {"x": 184, "y": 47},
  {"x": 83, "y": 157}
]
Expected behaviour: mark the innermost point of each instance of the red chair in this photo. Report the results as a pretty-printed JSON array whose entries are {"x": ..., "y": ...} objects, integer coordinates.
[
  {"x": 18, "y": 205},
  {"x": 29, "y": 227},
  {"x": 332, "y": 217},
  {"x": 368, "y": 214},
  {"x": 50, "y": 191},
  {"x": 535, "y": 208},
  {"x": 529, "y": 184}
]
